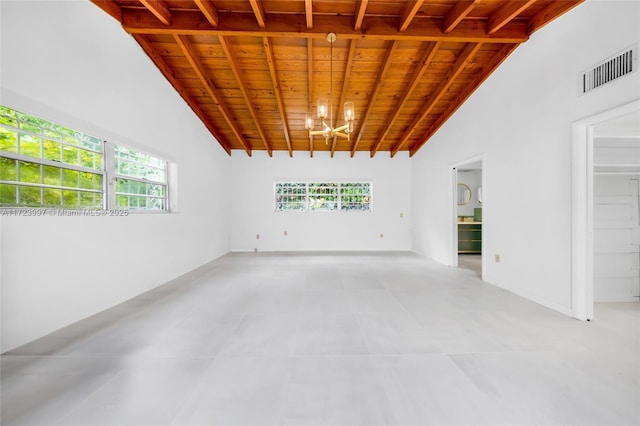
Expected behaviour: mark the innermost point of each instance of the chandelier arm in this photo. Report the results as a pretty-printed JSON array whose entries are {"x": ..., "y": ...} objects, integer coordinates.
[
  {"x": 342, "y": 135},
  {"x": 317, "y": 132},
  {"x": 341, "y": 128}
]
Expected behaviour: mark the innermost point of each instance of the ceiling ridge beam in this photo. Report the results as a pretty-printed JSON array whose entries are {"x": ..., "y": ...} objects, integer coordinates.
[
  {"x": 245, "y": 93},
  {"x": 197, "y": 66},
  {"x": 293, "y": 26},
  {"x": 209, "y": 11},
  {"x": 258, "y": 11},
  {"x": 275, "y": 80},
  {"x": 423, "y": 64},
  {"x": 359, "y": 14},
  {"x": 549, "y": 13},
  {"x": 506, "y": 13},
  {"x": 486, "y": 71},
  {"x": 410, "y": 10},
  {"x": 346, "y": 79},
  {"x": 159, "y": 9},
  {"x": 165, "y": 69},
  {"x": 384, "y": 69},
  {"x": 457, "y": 14},
  {"x": 310, "y": 87},
  {"x": 465, "y": 57}
]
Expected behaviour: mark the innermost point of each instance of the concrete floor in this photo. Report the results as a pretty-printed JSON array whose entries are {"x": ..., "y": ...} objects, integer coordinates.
[
  {"x": 329, "y": 339},
  {"x": 472, "y": 262}
]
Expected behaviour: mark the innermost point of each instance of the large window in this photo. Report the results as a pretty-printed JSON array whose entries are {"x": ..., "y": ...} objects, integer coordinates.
[
  {"x": 323, "y": 196},
  {"x": 43, "y": 164}
]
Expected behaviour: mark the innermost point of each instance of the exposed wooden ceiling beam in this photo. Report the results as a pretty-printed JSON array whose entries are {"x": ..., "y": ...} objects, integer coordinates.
[
  {"x": 137, "y": 21},
  {"x": 235, "y": 69},
  {"x": 345, "y": 84},
  {"x": 192, "y": 57},
  {"x": 549, "y": 13},
  {"x": 410, "y": 10},
  {"x": 457, "y": 14},
  {"x": 310, "y": 86},
  {"x": 486, "y": 71},
  {"x": 209, "y": 11},
  {"x": 506, "y": 13},
  {"x": 166, "y": 70},
  {"x": 359, "y": 14},
  {"x": 275, "y": 80},
  {"x": 258, "y": 11},
  {"x": 384, "y": 69},
  {"x": 159, "y": 9},
  {"x": 308, "y": 11},
  {"x": 465, "y": 57},
  {"x": 112, "y": 8},
  {"x": 428, "y": 55}
]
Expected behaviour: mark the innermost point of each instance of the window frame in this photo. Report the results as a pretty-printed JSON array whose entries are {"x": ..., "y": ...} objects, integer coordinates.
[
  {"x": 106, "y": 170},
  {"x": 307, "y": 205},
  {"x": 165, "y": 182}
]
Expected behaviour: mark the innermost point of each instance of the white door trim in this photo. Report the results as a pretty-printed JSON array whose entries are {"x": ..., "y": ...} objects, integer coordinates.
[{"x": 582, "y": 208}]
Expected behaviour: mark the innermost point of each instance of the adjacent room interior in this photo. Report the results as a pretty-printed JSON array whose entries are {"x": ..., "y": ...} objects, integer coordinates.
[{"x": 319, "y": 212}]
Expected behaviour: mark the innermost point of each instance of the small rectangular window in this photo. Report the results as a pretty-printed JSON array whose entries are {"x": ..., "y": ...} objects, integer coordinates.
[
  {"x": 323, "y": 196},
  {"x": 141, "y": 180}
]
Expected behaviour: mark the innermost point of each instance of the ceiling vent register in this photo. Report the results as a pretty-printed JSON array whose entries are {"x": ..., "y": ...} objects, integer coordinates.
[{"x": 609, "y": 70}]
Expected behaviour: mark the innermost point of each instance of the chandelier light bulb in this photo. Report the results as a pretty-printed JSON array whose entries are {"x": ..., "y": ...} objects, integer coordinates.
[
  {"x": 323, "y": 107},
  {"x": 348, "y": 111}
]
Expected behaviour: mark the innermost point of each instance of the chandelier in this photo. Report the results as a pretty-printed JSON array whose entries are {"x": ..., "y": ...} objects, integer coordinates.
[{"x": 325, "y": 109}]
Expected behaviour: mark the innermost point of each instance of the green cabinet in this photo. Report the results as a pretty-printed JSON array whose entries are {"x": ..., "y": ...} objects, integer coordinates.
[{"x": 469, "y": 237}]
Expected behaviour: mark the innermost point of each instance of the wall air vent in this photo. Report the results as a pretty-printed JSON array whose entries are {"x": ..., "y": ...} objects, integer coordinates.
[{"x": 609, "y": 70}]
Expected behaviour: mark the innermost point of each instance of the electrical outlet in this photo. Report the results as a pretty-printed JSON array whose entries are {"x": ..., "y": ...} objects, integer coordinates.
[{"x": 497, "y": 257}]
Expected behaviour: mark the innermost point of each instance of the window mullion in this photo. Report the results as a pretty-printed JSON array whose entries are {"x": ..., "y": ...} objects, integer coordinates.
[{"x": 109, "y": 181}]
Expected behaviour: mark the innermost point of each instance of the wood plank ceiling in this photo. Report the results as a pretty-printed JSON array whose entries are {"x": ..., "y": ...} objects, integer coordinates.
[{"x": 252, "y": 70}]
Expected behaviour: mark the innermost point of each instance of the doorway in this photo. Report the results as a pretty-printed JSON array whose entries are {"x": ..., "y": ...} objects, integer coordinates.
[
  {"x": 605, "y": 202},
  {"x": 467, "y": 219}
]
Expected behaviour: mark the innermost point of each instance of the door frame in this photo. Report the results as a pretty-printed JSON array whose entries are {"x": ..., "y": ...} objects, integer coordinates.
[
  {"x": 453, "y": 204},
  {"x": 582, "y": 208}
]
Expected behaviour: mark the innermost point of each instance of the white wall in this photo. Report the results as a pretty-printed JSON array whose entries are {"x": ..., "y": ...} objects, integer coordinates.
[
  {"x": 521, "y": 120},
  {"x": 253, "y": 204},
  {"x": 71, "y": 63}
]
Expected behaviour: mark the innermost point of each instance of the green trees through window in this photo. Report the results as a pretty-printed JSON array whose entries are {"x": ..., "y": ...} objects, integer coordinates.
[
  {"x": 43, "y": 164},
  {"x": 318, "y": 196},
  {"x": 140, "y": 180}
]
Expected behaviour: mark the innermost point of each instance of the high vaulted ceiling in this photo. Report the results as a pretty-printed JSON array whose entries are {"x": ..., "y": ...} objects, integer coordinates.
[{"x": 252, "y": 69}]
